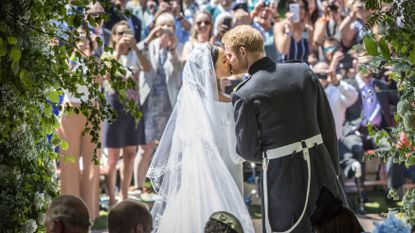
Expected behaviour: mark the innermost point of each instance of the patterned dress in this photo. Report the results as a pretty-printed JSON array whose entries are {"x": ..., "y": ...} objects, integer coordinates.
[{"x": 157, "y": 107}]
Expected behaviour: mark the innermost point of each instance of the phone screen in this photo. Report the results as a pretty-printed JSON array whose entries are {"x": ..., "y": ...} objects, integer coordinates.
[
  {"x": 295, "y": 10},
  {"x": 227, "y": 22}
]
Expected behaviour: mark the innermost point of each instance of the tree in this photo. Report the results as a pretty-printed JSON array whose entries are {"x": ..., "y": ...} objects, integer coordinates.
[
  {"x": 393, "y": 46},
  {"x": 33, "y": 74}
]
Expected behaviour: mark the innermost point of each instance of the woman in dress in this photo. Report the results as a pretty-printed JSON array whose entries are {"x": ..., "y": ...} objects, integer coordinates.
[
  {"x": 293, "y": 37},
  {"x": 77, "y": 179},
  {"x": 193, "y": 167},
  {"x": 158, "y": 89},
  {"x": 123, "y": 134}
]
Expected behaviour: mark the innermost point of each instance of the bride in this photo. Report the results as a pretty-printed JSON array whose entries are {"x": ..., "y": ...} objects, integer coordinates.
[{"x": 195, "y": 170}]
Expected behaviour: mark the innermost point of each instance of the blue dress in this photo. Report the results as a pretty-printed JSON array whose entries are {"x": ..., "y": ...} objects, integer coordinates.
[{"x": 298, "y": 50}]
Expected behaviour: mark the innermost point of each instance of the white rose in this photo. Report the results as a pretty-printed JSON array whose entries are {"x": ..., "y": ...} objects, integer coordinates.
[
  {"x": 41, "y": 218},
  {"x": 39, "y": 200},
  {"x": 30, "y": 226}
]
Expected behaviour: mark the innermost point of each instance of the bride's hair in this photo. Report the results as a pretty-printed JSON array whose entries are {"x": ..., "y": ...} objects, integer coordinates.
[{"x": 214, "y": 51}]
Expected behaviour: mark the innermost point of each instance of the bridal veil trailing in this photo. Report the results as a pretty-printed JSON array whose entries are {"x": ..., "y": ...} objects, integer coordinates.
[{"x": 187, "y": 171}]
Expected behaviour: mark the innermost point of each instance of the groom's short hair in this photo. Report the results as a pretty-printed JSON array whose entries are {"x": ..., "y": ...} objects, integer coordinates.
[{"x": 244, "y": 36}]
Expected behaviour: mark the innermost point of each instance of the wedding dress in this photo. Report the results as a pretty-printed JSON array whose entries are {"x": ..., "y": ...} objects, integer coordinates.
[{"x": 189, "y": 170}]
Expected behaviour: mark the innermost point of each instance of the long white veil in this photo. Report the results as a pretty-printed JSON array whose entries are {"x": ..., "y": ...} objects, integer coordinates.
[{"x": 187, "y": 171}]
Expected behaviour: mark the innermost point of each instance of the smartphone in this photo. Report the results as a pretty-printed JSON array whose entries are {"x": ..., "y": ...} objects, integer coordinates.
[
  {"x": 295, "y": 10},
  {"x": 166, "y": 31},
  {"x": 322, "y": 76},
  {"x": 128, "y": 32},
  {"x": 228, "y": 22}
]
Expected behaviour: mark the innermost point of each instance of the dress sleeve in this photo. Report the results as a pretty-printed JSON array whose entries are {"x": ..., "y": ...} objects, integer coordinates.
[{"x": 248, "y": 144}]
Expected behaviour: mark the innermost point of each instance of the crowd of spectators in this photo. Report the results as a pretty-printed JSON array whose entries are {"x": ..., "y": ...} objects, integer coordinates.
[{"x": 154, "y": 43}]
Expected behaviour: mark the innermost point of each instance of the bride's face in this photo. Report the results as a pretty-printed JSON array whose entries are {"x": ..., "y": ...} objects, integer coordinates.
[{"x": 222, "y": 67}]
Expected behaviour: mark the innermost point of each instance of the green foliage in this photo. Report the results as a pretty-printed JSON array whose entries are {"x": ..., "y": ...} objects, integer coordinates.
[
  {"x": 408, "y": 206},
  {"x": 394, "y": 46},
  {"x": 33, "y": 73}
]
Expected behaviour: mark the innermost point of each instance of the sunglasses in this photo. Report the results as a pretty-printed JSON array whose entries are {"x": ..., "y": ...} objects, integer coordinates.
[
  {"x": 330, "y": 49},
  {"x": 207, "y": 23}
]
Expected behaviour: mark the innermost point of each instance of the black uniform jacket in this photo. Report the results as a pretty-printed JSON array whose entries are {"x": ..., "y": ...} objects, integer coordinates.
[{"x": 277, "y": 105}]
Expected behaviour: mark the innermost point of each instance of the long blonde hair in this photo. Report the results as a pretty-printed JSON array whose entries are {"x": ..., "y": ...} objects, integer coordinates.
[{"x": 193, "y": 35}]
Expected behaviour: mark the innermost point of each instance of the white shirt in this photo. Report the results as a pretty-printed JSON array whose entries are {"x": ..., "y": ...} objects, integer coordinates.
[{"x": 340, "y": 98}]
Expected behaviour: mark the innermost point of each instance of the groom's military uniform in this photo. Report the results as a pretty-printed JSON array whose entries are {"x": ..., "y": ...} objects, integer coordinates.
[{"x": 283, "y": 119}]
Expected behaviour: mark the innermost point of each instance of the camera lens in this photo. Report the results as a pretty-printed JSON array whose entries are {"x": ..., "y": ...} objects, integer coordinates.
[
  {"x": 333, "y": 7},
  {"x": 322, "y": 76}
]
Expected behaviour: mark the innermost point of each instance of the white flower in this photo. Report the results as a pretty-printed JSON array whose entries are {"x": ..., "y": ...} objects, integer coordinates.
[
  {"x": 41, "y": 218},
  {"x": 30, "y": 226},
  {"x": 39, "y": 200},
  {"x": 48, "y": 200},
  {"x": 16, "y": 173}
]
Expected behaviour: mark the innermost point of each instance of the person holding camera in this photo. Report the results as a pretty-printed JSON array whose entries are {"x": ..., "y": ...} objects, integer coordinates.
[
  {"x": 263, "y": 21},
  {"x": 116, "y": 16},
  {"x": 351, "y": 27},
  {"x": 293, "y": 35},
  {"x": 159, "y": 88},
  {"x": 182, "y": 24},
  {"x": 123, "y": 134},
  {"x": 328, "y": 25},
  {"x": 223, "y": 23},
  {"x": 340, "y": 94}
]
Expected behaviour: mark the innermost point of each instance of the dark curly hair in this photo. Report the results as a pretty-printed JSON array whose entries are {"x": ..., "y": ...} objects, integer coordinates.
[{"x": 214, "y": 51}]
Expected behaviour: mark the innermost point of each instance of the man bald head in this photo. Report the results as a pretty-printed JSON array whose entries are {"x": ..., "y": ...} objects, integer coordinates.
[
  {"x": 129, "y": 217},
  {"x": 69, "y": 214}
]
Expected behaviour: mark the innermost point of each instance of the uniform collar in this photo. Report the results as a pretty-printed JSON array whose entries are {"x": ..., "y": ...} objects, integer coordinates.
[{"x": 261, "y": 64}]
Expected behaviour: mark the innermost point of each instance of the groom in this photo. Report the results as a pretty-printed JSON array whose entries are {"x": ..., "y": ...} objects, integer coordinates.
[{"x": 283, "y": 119}]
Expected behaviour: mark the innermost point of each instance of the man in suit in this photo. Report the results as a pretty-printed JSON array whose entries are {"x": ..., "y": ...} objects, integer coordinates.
[
  {"x": 283, "y": 119},
  {"x": 372, "y": 106}
]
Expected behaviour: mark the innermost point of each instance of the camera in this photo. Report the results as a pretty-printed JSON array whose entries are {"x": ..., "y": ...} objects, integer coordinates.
[
  {"x": 228, "y": 22},
  {"x": 346, "y": 62},
  {"x": 322, "y": 76},
  {"x": 333, "y": 7}
]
